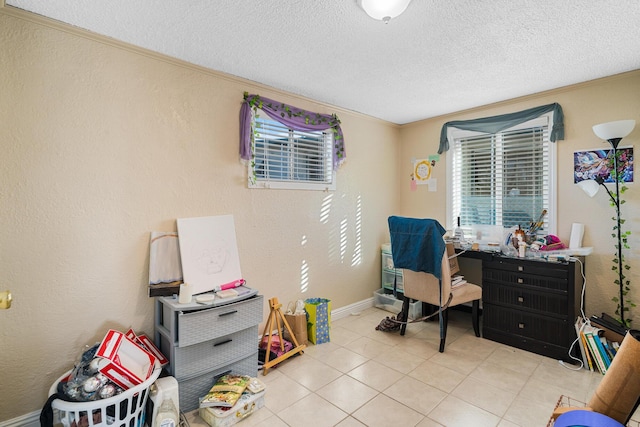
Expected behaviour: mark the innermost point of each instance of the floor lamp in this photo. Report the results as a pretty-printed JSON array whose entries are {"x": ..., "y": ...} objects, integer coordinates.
[{"x": 613, "y": 132}]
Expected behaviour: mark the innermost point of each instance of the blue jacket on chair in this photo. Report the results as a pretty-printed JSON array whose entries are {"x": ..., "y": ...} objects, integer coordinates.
[{"x": 417, "y": 244}]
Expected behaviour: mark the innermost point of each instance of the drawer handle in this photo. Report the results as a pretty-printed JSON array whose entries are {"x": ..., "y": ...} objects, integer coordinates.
[
  {"x": 520, "y": 325},
  {"x": 227, "y": 313},
  {"x": 520, "y": 281},
  {"x": 223, "y": 342},
  {"x": 520, "y": 268},
  {"x": 520, "y": 299}
]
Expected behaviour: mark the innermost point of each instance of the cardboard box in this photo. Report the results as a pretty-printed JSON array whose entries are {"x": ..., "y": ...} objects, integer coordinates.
[
  {"x": 148, "y": 345},
  {"x": 125, "y": 362}
]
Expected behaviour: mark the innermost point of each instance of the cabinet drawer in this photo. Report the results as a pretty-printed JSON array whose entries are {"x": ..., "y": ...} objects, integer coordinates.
[
  {"x": 527, "y": 266},
  {"x": 191, "y": 389},
  {"x": 525, "y": 279},
  {"x": 520, "y": 297},
  {"x": 518, "y": 322},
  {"x": 388, "y": 277},
  {"x": 207, "y": 324},
  {"x": 208, "y": 355}
]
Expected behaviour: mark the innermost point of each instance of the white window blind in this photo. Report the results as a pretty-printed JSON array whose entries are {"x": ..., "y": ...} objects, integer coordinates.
[
  {"x": 503, "y": 179},
  {"x": 286, "y": 158}
]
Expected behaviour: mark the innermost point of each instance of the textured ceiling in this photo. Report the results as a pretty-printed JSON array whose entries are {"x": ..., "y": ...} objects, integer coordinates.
[{"x": 438, "y": 57}]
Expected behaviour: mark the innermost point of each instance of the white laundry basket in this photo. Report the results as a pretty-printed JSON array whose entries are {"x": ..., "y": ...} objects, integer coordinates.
[{"x": 123, "y": 410}]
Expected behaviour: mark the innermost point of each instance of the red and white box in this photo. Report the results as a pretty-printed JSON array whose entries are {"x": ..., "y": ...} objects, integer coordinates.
[
  {"x": 126, "y": 363},
  {"x": 151, "y": 348},
  {"x": 144, "y": 342}
]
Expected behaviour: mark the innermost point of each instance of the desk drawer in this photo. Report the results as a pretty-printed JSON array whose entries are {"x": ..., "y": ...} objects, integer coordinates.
[
  {"x": 518, "y": 322},
  {"x": 528, "y": 266},
  {"x": 524, "y": 279},
  {"x": 520, "y": 297},
  {"x": 207, "y": 324}
]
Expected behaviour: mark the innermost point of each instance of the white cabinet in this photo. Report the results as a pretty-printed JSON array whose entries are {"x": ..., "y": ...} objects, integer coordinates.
[{"x": 203, "y": 342}]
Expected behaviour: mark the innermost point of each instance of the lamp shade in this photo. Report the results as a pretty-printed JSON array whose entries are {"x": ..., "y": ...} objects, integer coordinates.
[
  {"x": 383, "y": 10},
  {"x": 590, "y": 187},
  {"x": 614, "y": 130}
]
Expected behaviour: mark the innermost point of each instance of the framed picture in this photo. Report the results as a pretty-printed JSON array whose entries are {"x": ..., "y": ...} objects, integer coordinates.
[{"x": 599, "y": 163}]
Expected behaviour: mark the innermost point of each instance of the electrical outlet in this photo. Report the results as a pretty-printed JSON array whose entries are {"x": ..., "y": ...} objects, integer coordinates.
[{"x": 5, "y": 299}]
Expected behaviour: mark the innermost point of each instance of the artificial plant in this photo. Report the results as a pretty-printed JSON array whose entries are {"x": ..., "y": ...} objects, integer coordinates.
[{"x": 619, "y": 164}]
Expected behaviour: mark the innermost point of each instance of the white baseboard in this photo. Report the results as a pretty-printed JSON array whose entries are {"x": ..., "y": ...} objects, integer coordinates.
[
  {"x": 342, "y": 312},
  {"x": 28, "y": 420},
  {"x": 33, "y": 419}
]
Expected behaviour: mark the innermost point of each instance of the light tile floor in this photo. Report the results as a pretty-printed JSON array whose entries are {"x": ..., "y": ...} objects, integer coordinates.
[{"x": 365, "y": 377}]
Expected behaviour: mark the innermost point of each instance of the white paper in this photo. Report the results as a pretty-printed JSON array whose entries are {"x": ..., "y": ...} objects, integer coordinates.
[{"x": 209, "y": 252}]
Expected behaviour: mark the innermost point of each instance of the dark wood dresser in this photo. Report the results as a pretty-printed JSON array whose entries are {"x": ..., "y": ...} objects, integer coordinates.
[{"x": 532, "y": 304}]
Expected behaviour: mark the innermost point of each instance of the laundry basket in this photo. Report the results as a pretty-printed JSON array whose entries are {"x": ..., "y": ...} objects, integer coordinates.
[{"x": 123, "y": 410}]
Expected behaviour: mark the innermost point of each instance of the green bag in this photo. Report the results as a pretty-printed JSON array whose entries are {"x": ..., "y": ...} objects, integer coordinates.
[{"x": 318, "y": 319}]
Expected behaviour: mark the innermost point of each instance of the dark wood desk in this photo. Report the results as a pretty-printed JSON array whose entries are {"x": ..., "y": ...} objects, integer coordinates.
[{"x": 528, "y": 303}]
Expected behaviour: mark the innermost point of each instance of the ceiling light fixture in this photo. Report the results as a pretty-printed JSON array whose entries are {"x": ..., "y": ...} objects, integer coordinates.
[{"x": 383, "y": 10}]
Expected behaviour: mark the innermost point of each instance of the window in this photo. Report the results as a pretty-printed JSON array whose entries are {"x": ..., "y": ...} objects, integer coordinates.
[
  {"x": 506, "y": 178},
  {"x": 291, "y": 159}
]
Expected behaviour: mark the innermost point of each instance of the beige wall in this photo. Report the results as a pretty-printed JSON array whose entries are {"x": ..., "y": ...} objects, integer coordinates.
[
  {"x": 102, "y": 144},
  {"x": 609, "y": 99}
]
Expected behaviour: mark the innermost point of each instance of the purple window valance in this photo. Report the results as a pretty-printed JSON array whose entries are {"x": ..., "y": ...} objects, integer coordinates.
[{"x": 292, "y": 117}]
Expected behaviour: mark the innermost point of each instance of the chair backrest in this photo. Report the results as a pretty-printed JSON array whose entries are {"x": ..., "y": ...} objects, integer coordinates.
[{"x": 423, "y": 286}]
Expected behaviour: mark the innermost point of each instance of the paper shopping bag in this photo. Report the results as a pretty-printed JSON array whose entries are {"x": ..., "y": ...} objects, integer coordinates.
[
  {"x": 318, "y": 319},
  {"x": 298, "y": 325}
]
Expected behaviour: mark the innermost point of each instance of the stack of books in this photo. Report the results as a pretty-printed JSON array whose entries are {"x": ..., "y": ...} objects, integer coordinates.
[
  {"x": 597, "y": 351},
  {"x": 457, "y": 280}
]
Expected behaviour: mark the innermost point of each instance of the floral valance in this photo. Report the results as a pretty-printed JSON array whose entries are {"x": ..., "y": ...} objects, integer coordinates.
[
  {"x": 496, "y": 124},
  {"x": 292, "y": 117}
]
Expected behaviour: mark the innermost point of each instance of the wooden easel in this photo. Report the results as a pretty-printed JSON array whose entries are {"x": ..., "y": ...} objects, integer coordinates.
[{"x": 277, "y": 319}]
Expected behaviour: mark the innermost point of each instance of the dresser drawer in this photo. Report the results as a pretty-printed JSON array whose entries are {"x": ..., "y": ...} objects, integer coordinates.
[
  {"x": 203, "y": 325},
  {"x": 522, "y": 297},
  {"x": 525, "y": 279},
  {"x": 205, "y": 356},
  {"x": 193, "y": 388},
  {"x": 528, "y": 266},
  {"x": 518, "y": 322}
]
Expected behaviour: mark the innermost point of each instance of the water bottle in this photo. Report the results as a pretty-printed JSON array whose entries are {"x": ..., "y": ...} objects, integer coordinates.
[{"x": 167, "y": 415}]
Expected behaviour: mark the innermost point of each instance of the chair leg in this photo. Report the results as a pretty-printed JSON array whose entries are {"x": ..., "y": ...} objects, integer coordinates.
[
  {"x": 443, "y": 329},
  {"x": 475, "y": 316},
  {"x": 405, "y": 314}
]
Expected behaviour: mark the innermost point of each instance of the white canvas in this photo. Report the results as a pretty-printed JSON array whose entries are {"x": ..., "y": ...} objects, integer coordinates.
[{"x": 209, "y": 252}]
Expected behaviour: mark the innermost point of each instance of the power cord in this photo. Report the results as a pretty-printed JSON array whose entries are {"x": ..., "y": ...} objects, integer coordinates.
[{"x": 584, "y": 318}]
